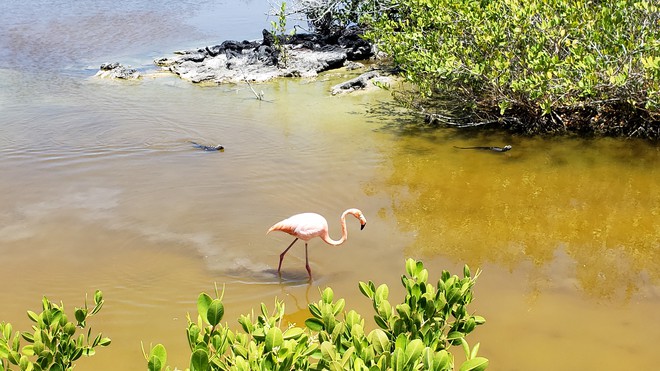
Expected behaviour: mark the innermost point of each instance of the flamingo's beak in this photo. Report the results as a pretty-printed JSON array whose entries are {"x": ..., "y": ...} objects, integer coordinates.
[{"x": 362, "y": 226}]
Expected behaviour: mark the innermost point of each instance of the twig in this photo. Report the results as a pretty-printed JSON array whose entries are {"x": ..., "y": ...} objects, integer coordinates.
[{"x": 260, "y": 95}]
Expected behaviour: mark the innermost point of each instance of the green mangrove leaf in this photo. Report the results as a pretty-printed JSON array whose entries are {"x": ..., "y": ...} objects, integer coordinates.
[
  {"x": 6, "y": 330},
  {"x": 353, "y": 318},
  {"x": 14, "y": 357},
  {"x": 315, "y": 311},
  {"x": 378, "y": 338},
  {"x": 28, "y": 350},
  {"x": 311, "y": 350},
  {"x": 215, "y": 312},
  {"x": 470, "y": 325},
  {"x": 382, "y": 292},
  {"x": 414, "y": 350},
  {"x": 38, "y": 347},
  {"x": 77, "y": 353},
  {"x": 427, "y": 359},
  {"x": 240, "y": 350},
  {"x": 419, "y": 267},
  {"x": 105, "y": 342},
  {"x": 466, "y": 348},
  {"x": 411, "y": 267},
  {"x": 348, "y": 354},
  {"x": 193, "y": 335},
  {"x": 368, "y": 289},
  {"x": 357, "y": 331},
  {"x": 16, "y": 343},
  {"x": 455, "y": 335},
  {"x": 381, "y": 322},
  {"x": 479, "y": 320},
  {"x": 259, "y": 334},
  {"x": 399, "y": 359},
  {"x": 203, "y": 303},
  {"x": 4, "y": 350},
  {"x": 338, "y": 307},
  {"x": 199, "y": 361},
  {"x": 445, "y": 275},
  {"x": 443, "y": 360},
  {"x": 327, "y": 295},
  {"x": 154, "y": 364},
  {"x": 314, "y": 324},
  {"x": 328, "y": 351},
  {"x": 385, "y": 309},
  {"x": 422, "y": 276},
  {"x": 246, "y": 323},
  {"x": 475, "y": 364},
  {"x": 28, "y": 337},
  {"x": 293, "y": 333},
  {"x": 25, "y": 364},
  {"x": 274, "y": 338},
  {"x": 81, "y": 315},
  {"x": 475, "y": 350},
  {"x": 47, "y": 316},
  {"x": 33, "y": 317},
  {"x": 159, "y": 352},
  {"x": 98, "y": 297}
]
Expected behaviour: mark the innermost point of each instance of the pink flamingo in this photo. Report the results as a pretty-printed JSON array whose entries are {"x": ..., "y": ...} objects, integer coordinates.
[{"x": 309, "y": 225}]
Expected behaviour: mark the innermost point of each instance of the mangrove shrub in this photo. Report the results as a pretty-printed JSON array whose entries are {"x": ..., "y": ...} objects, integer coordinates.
[
  {"x": 536, "y": 65},
  {"x": 416, "y": 334},
  {"x": 52, "y": 342}
]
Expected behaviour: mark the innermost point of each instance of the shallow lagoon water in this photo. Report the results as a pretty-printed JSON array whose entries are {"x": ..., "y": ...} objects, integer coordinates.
[{"x": 100, "y": 189}]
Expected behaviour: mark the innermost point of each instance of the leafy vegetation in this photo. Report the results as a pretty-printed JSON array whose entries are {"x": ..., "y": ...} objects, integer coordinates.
[
  {"x": 278, "y": 29},
  {"x": 52, "y": 344},
  {"x": 327, "y": 16},
  {"x": 556, "y": 65},
  {"x": 531, "y": 66},
  {"x": 413, "y": 335}
]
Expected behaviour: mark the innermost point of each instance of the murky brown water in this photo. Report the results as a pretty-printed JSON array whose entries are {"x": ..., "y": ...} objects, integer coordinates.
[{"x": 100, "y": 189}]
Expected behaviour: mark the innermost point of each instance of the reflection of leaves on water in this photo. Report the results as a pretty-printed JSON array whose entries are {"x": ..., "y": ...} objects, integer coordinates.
[{"x": 479, "y": 209}]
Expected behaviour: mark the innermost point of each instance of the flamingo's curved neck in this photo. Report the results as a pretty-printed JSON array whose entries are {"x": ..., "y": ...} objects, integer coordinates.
[{"x": 344, "y": 232}]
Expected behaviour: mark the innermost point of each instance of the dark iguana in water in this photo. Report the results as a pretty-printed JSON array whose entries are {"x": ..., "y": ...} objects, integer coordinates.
[
  {"x": 494, "y": 149},
  {"x": 208, "y": 148}
]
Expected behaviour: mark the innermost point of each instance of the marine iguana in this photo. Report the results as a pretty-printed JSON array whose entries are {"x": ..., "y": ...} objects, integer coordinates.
[
  {"x": 208, "y": 148},
  {"x": 495, "y": 149}
]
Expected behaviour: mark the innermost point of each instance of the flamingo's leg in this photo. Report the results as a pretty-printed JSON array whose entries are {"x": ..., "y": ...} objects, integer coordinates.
[
  {"x": 283, "y": 253},
  {"x": 309, "y": 270}
]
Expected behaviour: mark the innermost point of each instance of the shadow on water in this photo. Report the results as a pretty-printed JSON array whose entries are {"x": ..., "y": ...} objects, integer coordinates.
[{"x": 268, "y": 276}]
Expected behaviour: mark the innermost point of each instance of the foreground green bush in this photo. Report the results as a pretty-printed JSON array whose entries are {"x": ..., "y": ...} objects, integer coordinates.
[
  {"x": 52, "y": 343},
  {"x": 416, "y": 334},
  {"x": 540, "y": 65}
]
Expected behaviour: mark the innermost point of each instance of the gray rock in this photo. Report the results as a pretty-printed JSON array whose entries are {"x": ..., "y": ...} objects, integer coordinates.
[
  {"x": 117, "y": 71},
  {"x": 301, "y": 55}
]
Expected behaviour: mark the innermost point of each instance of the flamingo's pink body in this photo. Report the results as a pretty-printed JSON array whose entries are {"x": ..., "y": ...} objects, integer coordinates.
[{"x": 309, "y": 225}]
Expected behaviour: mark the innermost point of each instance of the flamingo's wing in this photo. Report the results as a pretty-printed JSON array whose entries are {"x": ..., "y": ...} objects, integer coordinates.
[{"x": 304, "y": 226}]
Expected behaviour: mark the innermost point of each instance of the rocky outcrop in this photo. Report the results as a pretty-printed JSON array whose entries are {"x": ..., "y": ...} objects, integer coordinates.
[
  {"x": 117, "y": 71},
  {"x": 300, "y": 55}
]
